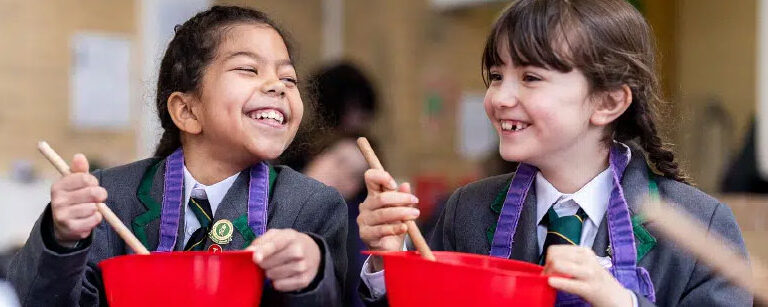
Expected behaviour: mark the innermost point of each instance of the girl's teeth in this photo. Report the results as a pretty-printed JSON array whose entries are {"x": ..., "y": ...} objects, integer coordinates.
[
  {"x": 271, "y": 114},
  {"x": 509, "y": 126}
]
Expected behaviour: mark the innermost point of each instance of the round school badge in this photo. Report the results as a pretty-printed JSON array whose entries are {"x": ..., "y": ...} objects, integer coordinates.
[{"x": 221, "y": 232}]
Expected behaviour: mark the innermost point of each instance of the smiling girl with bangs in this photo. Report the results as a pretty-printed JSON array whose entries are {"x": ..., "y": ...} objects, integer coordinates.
[{"x": 572, "y": 92}]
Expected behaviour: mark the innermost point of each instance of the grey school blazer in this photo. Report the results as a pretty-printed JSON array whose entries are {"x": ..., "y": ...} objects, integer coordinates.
[
  {"x": 679, "y": 280},
  {"x": 46, "y": 275}
]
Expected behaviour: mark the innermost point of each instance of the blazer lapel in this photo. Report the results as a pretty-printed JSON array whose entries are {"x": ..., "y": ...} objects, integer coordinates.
[
  {"x": 635, "y": 181},
  {"x": 637, "y": 190},
  {"x": 146, "y": 223},
  {"x": 600, "y": 245},
  {"x": 285, "y": 205}
]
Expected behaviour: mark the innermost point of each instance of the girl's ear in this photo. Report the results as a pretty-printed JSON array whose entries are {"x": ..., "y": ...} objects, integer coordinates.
[
  {"x": 181, "y": 107},
  {"x": 613, "y": 104}
]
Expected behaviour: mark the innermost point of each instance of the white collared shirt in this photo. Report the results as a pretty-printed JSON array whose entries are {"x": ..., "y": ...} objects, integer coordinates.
[
  {"x": 593, "y": 198},
  {"x": 215, "y": 193}
]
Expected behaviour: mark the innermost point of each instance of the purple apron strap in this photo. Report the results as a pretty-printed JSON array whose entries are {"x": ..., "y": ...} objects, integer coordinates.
[
  {"x": 510, "y": 211},
  {"x": 258, "y": 196},
  {"x": 565, "y": 299},
  {"x": 172, "y": 195},
  {"x": 620, "y": 232},
  {"x": 646, "y": 284}
]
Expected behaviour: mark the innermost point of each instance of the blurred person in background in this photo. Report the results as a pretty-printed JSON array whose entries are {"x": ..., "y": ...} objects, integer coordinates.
[
  {"x": 743, "y": 175},
  {"x": 326, "y": 151}
]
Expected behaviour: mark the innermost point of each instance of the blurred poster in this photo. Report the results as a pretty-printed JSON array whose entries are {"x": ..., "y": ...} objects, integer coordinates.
[
  {"x": 100, "y": 81},
  {"x": 477, "y": 136}
]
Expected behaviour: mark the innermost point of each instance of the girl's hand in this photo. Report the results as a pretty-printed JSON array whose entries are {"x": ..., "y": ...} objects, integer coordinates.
[
  {"x": 289, "y": 258},
  {"x": 588, "y": 278},
  {"x": 384, "y": 212},
  {"x": 73, "y": 203}
]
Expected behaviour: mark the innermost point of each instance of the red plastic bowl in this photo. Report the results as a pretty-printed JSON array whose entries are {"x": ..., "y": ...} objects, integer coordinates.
[
  {"x": 461, "y": 279},
  {"x": 183, "y": 279}
]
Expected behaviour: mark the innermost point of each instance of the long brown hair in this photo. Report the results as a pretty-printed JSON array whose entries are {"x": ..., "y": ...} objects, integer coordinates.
[{"x": 609, "y": 41}]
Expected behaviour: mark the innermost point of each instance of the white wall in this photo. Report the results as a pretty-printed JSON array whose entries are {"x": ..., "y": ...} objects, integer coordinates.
[
  {"x": 22, "y": 204},
  {"x": 157, "y": 20}
]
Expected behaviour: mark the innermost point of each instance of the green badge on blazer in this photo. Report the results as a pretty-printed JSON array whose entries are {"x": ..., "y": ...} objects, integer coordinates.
[{"x": 221, "y": 232}]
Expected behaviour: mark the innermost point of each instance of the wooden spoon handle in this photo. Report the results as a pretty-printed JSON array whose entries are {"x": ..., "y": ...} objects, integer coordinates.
[{"x": 413, "y": 229}]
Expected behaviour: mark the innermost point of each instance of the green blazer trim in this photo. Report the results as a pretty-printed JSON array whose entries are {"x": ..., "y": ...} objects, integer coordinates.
[
  {"x": 644, "y": 241},
  {"x": 154, "y": 208}
]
